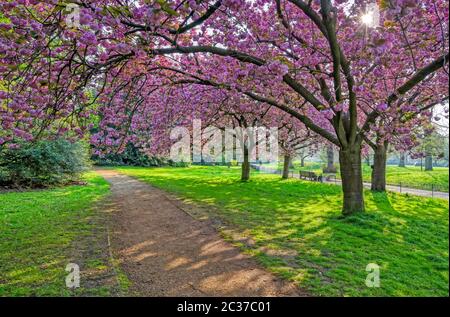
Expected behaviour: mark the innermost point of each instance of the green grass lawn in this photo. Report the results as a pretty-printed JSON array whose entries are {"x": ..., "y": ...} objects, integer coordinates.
[
  {"x": 299, "y": 233},
  {"x": 410, "y": 176},
  {"x": 42, "y": 231}
]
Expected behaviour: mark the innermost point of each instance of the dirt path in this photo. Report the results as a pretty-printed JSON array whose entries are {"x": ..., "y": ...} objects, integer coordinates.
[{"x": 165, "y": 252}]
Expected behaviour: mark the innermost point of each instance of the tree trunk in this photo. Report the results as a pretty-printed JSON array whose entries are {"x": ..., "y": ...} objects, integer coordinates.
[
  {"x": 291, "y": 162},
  {"x": 302, "y": 162},
  {"x": 402, "y": 162},
  {"x": 245, "y": 166},
  {"x": 330, "y": 160},
  {"x": 379, "y": 169},
  {"x": 351, "y": 175},
  {"x": 287, "y": 160},
  {"x": 428, "y": 162}
]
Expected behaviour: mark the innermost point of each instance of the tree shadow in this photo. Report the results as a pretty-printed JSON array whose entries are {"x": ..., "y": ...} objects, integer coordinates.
[{"x": 297, "y": 231}]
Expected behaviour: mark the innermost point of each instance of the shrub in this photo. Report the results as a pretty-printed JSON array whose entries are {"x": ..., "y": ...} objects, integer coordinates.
[
  {"x": 178, "y": 164},
  {"x": 133, "y": 156},
  {"x": 43, "y": 163}
]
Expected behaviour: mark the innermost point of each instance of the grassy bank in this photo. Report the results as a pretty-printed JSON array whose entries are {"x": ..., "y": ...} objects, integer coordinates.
[{"x": 44, "y": 230}]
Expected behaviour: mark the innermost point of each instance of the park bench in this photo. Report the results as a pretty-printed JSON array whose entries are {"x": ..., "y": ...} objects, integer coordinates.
[
  {"x": 309, "y": 176},
  {"x": 329, "y": 177}
]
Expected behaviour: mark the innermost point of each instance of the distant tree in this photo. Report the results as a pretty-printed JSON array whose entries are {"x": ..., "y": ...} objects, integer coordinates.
[{"x": 431, "y": 146}]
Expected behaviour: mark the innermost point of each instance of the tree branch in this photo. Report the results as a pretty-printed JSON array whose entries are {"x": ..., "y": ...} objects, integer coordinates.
[{"x": 416, "y": 79}]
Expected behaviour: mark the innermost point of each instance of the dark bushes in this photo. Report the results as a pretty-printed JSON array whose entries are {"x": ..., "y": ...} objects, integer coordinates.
[
  {"x": 132, "y": 156},
  {"x": 43, "y": 163}
]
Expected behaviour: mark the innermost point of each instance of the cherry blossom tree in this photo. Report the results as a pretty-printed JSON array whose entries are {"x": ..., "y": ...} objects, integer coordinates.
[
  {"x": 294, "y": 137},
  {"x": 400, "y": 131},
  {"x": 356, "y": 81},
  {"x": 317, "y": 61}
]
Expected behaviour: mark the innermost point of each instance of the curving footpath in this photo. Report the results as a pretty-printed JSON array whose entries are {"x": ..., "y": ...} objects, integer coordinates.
[{"x": 166, "y": 252}]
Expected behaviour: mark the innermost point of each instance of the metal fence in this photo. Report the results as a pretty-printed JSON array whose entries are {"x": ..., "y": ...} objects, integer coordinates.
[
  {"x": 427, "y": 190},
  {"x": 435, "y": 189}
]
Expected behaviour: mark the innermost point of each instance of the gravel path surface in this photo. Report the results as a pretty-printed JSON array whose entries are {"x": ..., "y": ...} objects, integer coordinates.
[{"x": 166, "y": 252}]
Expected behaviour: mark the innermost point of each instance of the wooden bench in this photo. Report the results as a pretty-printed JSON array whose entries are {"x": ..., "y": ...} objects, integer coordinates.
[
  {"x": 309, "y": 176},
  {"x": 329, "y": 177}
]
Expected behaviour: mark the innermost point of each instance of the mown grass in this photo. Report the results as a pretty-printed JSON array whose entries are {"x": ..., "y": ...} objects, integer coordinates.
[
  {"x": 410, "y": 176},
  {"x": 310, "y": 242},
  {"x": 42, "y": 231}
]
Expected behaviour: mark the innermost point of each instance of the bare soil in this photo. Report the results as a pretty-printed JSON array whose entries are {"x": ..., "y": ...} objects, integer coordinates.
[{"x": 166, "y": 252}]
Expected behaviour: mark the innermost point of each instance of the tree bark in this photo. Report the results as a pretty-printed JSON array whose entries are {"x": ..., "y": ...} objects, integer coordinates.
[
  {"x": 402, "y": 162},
  {"x": 428, "y": 162},
  {"x": 379, "y": 168},
  {"x": 287, "y": 160},
  {"x": 291, "y": 163},
  {"x": 330, "y": 160},
  {"x": 302, "y": 162},
  {"x": 245, "y": 176},
  {"x": 351, "y": 174}
]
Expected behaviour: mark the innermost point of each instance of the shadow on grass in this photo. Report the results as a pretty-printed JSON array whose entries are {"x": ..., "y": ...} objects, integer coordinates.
[
  {"x": 42, "y": 231},
  {"x": 299, "y": 233}
]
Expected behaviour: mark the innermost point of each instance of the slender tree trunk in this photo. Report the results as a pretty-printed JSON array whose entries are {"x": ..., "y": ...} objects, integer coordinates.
[
  {"x": 379, "y": 168},
  {"x": 291, "y": 163},
  {"x": 402, "y": 162},
  {"x": 351, "y": 174},
  {"x": 245, "y": 166},
  {"x": 302, "y": 162},
  {"x": 428, "y": 162},
  {"x": 287, "y": 160},
  {"x": 330, "y": 160}
]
